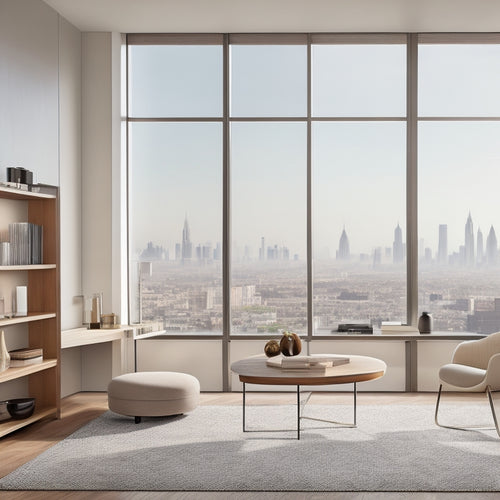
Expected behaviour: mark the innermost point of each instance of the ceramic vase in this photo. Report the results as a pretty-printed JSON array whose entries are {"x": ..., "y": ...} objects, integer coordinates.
[
  {"x": 290, "y": 344},
  {"x": 425, "y": 323},
  {"x": 272, "y": 348},
  {"x": 4, "y": 354}
]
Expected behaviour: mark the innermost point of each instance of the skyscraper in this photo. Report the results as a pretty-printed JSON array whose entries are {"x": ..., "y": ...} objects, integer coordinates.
[
  {"x": 469, "y": 242},
  {"x": 397, "y": 246},
  {"x": 343, "y": 253},
  {"x": 442, "y": 256},
  {"x": 377, "y": 256},
  {"x": 187, "y": 246},
  {"x": 491, "y": 248},
  {"x": 480, "y": 249}
]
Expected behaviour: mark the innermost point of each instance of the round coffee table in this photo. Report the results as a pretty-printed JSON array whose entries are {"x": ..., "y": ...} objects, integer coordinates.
[{"x": 254, "y": 370}]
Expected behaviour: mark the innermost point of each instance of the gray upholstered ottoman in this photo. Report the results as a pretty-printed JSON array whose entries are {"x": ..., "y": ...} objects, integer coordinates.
[{"x": 153, "y": 394}]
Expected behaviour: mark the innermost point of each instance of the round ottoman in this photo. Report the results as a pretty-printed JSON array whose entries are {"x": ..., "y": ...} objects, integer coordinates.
[{"x": 153, "y": 394}]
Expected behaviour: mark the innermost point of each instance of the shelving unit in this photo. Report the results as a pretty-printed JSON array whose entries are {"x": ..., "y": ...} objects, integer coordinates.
[{"x": 42, "y": 323}]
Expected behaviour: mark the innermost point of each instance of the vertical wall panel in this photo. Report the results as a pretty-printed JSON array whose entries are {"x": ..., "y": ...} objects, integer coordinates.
[
  {"x": 29, "y": 88},
  {"x": 96, "y": 165},
  {"x": 71, "y": 174},
  {"x": 431, "y": 357},
  {"x": 200, "y": 358}
]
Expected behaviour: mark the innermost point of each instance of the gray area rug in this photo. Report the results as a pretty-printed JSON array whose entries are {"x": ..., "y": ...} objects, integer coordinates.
[{"x": 394, "y": 448}]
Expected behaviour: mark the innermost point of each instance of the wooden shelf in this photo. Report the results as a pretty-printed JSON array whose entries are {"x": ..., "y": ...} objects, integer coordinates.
[
  {"x": 34, "y": 316},
  {"x": 23, "y": 371},
  {"x": 11, "y": 425},
  {"x": 41, "y": 328},
  {"x": 30, "y": 267},
  {"x": 20, "y": 194}
]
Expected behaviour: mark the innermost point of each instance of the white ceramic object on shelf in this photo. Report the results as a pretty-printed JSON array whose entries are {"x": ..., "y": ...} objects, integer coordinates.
[{"x": 4, "y": 354}]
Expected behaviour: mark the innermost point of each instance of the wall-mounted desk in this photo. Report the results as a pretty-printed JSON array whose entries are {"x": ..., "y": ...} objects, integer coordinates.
[
  {"x": 91, "y": 358},
  {"x": 82, "y": 336}
]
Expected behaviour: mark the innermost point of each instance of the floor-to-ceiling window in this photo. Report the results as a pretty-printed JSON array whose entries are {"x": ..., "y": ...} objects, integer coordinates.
[
  {"x": 175, "y": 182},
  {"x": 359, "y": 177},
  {"x": 459, "y": 174},
  {"x": 268, "y": 165},
  {"x": 291, "y": 152}
]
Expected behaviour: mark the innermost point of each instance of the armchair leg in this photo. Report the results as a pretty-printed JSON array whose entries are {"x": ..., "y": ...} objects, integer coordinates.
[
  {"x": 437, "y": 406},
  {"x": 492, "y": 406},
  {"x": 490, "y": 398}
]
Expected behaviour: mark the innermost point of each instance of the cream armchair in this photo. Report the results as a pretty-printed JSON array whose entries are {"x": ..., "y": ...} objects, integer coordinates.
[{"x": 475, "y": 367}]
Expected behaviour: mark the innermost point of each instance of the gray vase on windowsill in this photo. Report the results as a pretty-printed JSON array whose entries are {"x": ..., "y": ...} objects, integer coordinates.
[{"x": 425, "y": 323}]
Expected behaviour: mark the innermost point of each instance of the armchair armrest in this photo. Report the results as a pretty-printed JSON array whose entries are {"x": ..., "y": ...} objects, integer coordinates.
[{"x": 493, "y": 372}]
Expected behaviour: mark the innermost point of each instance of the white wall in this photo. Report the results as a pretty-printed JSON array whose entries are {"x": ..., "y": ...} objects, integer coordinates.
[
  {"x": 70, "y": 173},
  {"x": 200, "y": 358},
  {"x": 96, "y": 162},
  {"x": 29, "y": 93},
  {"x": 102, "y": 243},
  {"x": 40, "y": 115}
]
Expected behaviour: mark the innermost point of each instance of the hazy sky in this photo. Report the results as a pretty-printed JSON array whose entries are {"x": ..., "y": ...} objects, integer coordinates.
[{"x": 359, "y": 169}]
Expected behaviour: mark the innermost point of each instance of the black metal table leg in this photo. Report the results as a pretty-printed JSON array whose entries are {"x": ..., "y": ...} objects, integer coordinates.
[
  {"x": 298, "y": 412},
  {"x": 244, "y": 430},
  {"x": 354, "y": 392}
]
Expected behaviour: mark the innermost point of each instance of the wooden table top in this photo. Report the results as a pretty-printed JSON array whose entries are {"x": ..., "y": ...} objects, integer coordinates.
[{"x": 254, "y": 370}]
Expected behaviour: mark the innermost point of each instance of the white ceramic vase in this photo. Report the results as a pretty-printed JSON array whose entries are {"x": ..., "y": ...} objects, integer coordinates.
[{"x": 4, "y": 354}]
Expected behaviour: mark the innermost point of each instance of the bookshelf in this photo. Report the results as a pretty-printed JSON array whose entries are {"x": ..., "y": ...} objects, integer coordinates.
[{"x": 41, "y": 327}]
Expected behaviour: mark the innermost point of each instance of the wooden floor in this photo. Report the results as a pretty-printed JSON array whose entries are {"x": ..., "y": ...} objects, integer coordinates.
[{"x": 23, "y": 445}]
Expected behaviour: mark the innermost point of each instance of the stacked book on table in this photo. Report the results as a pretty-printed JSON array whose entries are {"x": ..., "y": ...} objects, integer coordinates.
[
  {"x": 23, "y": 357},
  {"x": 317, "y": 363}
]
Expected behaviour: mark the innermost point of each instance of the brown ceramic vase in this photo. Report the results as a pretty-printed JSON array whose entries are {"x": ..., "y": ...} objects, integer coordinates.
[
  {"x": 272, "y": 348},
  {"x": 290, "y": 344}
]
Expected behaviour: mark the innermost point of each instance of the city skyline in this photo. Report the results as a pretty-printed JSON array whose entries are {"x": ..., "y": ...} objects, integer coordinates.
[{"x": 471, "y": 253}]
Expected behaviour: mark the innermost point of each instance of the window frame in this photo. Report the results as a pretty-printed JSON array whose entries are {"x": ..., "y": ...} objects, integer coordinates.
[{"x": 412, "y": 119}]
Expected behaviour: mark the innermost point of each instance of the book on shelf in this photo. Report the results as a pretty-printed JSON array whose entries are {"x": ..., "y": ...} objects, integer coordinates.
[
  {"x": 26, "y": 356},
  {"x": 16, "y": 363},
  {"x": 26, "y": 243},
  {"x": 26, "y": 353},
  {"x": 312, "y": 363},
  {"x": 4, "y": 253}
]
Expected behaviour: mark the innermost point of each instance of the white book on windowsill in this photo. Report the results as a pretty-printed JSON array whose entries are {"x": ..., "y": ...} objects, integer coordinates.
[{"x": 398, "y": 329}]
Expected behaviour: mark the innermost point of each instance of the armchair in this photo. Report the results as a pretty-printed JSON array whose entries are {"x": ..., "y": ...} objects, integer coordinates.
[{"x": 475, "y": 367}]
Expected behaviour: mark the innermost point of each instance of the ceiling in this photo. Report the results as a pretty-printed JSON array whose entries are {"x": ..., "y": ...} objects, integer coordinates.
[{"x": 233, "y": 16}]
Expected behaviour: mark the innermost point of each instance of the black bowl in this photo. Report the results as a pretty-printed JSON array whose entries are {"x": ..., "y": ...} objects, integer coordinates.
[{"x": 21, "y": 408}]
